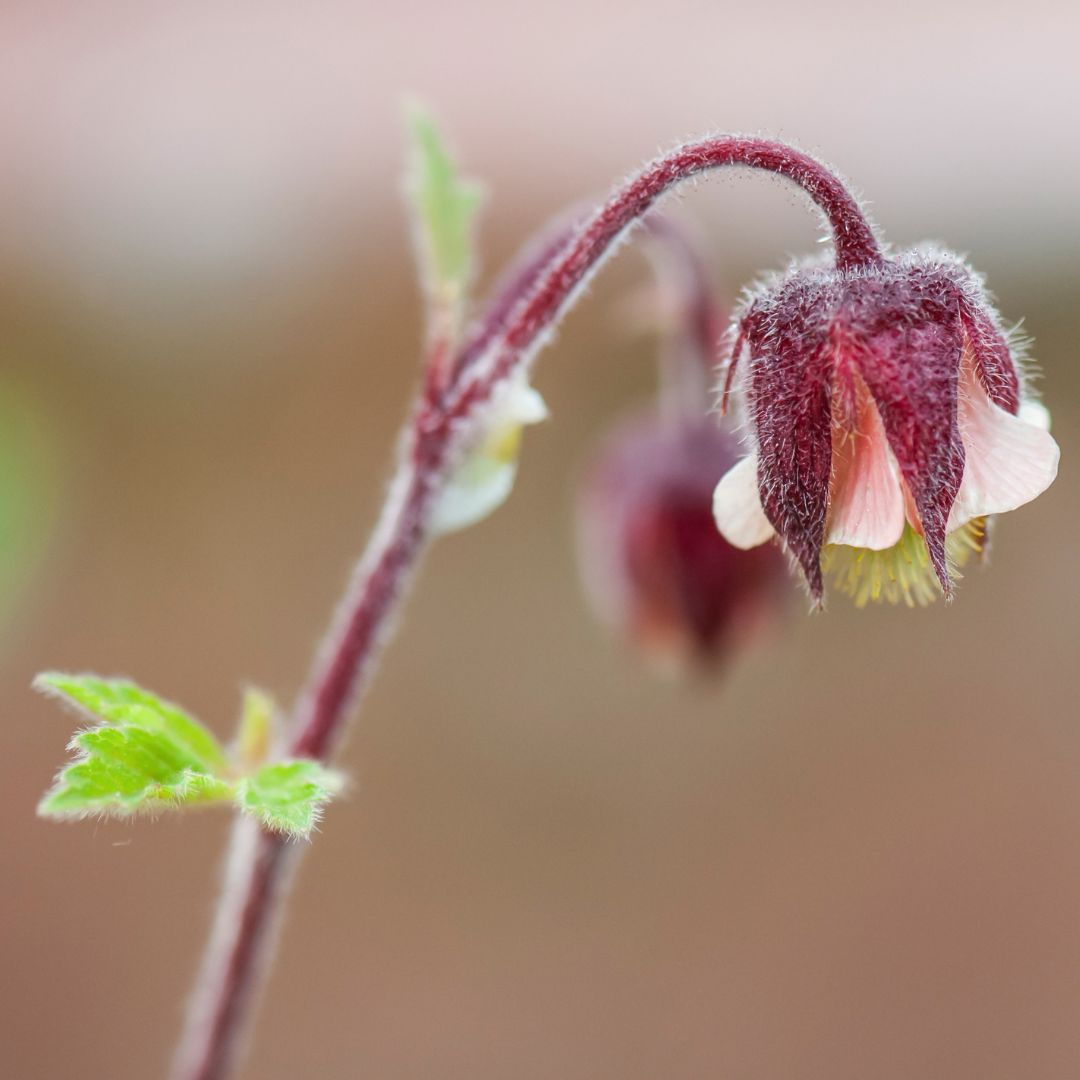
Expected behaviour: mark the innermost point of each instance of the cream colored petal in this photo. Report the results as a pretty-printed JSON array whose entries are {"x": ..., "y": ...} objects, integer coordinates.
[
  {"x": 523, "y": 405},
  {"x": 484, "y": 478},
  {"x": 480, "y": 486},
  {"x": 513, "y": 405},
  {"x": 1008, "y": 460},
  {"x": 737, "y": 506}
]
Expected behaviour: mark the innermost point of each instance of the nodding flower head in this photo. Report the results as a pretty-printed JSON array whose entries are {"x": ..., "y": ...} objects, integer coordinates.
[
  {"x": 889, "y": 419},
  {"x": 652, "y": 560}
]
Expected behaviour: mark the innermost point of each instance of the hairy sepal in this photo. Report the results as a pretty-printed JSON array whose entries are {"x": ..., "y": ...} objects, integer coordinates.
[
  {"x": 789, "y": 381},
  {"x": 908, "y": 341}
]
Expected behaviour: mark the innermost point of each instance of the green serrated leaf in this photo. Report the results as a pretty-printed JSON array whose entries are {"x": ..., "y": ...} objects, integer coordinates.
[
  {"x": 288, "y": 796},
  {"x": 444, "y": 205},
  {"x": 143, "y": 754},
  {"x": 118, "y": 701}
]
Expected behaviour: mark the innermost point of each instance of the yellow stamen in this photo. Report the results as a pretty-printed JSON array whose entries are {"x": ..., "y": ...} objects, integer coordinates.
[{"x": 902, "y": 572}]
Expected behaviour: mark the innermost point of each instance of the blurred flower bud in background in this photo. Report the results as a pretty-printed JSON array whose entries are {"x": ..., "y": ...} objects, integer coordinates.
[{"x": 652, "y": 561}]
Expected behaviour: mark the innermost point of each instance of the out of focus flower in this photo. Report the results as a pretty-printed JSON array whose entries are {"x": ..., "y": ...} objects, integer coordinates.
[
  {"x": 483, "y": 479},
  {"x": 652, "y": 561},
  {"x": 651, "y": 558},
  {"x": 890, "y": 419}
]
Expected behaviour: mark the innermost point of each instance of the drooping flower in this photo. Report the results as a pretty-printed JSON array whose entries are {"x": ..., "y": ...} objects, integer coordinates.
[
  {"x": 652, "y": 561},
  {"x": 889, "y": 418}
]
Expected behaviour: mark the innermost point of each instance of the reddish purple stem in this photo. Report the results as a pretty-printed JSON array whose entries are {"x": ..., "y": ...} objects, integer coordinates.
[
  {"x": 853, "y": 238},
  {"x": 260, "y": 864},
  {"x": 518, "y": 282},
  {"x": 258, "y": 870},
  {"x": 532, "y": 300}
]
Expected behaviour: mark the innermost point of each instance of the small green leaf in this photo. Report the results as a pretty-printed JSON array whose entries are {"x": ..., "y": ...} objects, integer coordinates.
[
  {"x": 118, "y": 701},
  {"x": 444, "y": 206},
  {"x": 288, "y": 796},
  {"x": 145, "y": 754},
  {"x": 142, "y": 754}
]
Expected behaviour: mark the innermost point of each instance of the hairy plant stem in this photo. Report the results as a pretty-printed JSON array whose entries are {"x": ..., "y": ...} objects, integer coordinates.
[
  {"x": 533, "y": 297},
  {"x": 260, "y": 864}
]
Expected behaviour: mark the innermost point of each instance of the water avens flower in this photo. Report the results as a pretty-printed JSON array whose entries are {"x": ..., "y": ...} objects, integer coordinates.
[{"x": 890, "y": 417}]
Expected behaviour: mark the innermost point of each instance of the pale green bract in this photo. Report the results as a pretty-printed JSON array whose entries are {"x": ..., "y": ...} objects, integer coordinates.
[
  {"x": 444, "y": 206},
  {"x": 143, "y": 754}
]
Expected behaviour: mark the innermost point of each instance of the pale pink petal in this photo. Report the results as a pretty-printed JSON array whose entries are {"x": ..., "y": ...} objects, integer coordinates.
[
  {"x": 737, "y": 506},
  {"x": 1008, "y": 461},
  {"x": 867, "y": 507},
  {"x": 867, "y": 499}
]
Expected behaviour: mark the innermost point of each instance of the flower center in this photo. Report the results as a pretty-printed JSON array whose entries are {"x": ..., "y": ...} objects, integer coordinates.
[{"x": 902, "y": 572}]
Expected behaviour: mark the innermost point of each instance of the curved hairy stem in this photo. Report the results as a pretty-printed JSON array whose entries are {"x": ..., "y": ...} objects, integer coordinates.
[
  {"x": 574, "y": 263},
  {"x": 532, "y": 300}
]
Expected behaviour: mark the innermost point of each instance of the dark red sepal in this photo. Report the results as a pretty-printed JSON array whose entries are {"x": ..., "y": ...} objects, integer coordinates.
[
  {"x": 994, "y": 362},
  {"x": 912, "y": 372},
  {"x": 790, "y": 377}
]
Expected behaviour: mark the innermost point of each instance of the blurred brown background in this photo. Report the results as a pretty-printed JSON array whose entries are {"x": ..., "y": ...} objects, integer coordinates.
[{"x": 858, "y": 857}]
